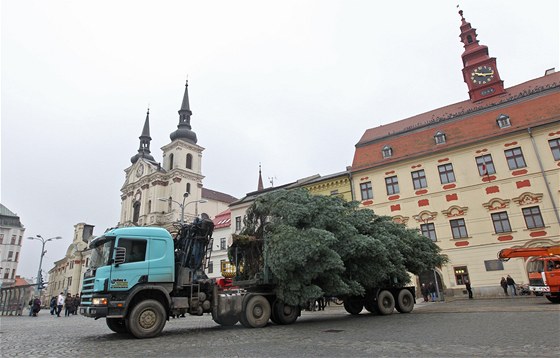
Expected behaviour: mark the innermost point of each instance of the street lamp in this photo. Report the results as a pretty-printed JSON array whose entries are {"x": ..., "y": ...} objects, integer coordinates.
[
  {"x": 43, "y": 252},
  {"x": 183, "y": 204}
]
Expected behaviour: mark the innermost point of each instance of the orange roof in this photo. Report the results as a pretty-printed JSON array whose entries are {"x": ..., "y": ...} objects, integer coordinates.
[{"x": 529, "y": 104}]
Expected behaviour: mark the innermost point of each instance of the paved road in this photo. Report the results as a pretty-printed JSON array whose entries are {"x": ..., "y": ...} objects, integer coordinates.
[{"x": 517, "y": 327}]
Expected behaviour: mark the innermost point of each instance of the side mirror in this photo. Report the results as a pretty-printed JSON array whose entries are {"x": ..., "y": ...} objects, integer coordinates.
[{"x": 120, "y": 255}]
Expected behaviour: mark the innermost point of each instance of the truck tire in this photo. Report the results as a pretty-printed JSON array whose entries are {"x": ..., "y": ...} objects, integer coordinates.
[
  {"x": 385, "y": 302},
  {"x": 146, "y": 319},
  {"x": 256, "y": 313},
  {"x": 353, "y": 305},
  {"x": 405, "y": 301},
  {"x": 555, "y": 299},
  {"x": 371, "y": 306},
  {"x": 117, "y": 325},
  {"x": 283, "y": 313}
]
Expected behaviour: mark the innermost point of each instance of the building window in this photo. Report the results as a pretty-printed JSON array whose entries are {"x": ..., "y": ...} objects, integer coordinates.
[
  {"x": 189, "y": 161},
  {"x": 555, "y": 148},
  {"x": 14, "y": 238},
  {"x": 515, "y": 158},
  {"x": 17, "y": 257},
  {"x": 7, "y": 274},
  {"x": 238, "y": 223},
  {"x": 446, "y": 174},
  {"x": 13, "y": 273},
  {"x": 533, "y": 218},
  {"x": 69, "y": 282},
  {"x": 211, "y": 267},
  {"x": 429, "y": 230},
  {"x": 189, "y": 188},
  {"x": 485, "y": 165},
  {"x": 366, "y": 190},
  {"x": 392, "y": 185},
  {"x": 19, "y": 241},
  {"x": 458, "y": 228},
  {"x": 387, "y": 152},
  {"x": 1, "y": 238},
  {"x": 501, "y": 222},
  {"x": 223, "y": 243},
  {"x": 10, "y": 254},
  {"x": 71, "y": 265},
  {"x": 439, "y": 137},
  {"x": 503, "y": 121},
  {"x": 461, "y": 273},
  {"x": 419, "y": 179},
  {"x": 170, "y": 161},
  {"x": 149, "y": 206}
]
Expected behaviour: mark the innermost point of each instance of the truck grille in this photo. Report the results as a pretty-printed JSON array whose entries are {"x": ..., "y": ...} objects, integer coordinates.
[{"x": 87, "y": 291}]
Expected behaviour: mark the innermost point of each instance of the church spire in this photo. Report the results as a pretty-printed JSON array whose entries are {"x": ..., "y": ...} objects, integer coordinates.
[
  {"x": 260, "y": 185},
  {"x": 480, "y": 72},
  {"x": 184, "y": 131},
  {"x": 144, "y": 149}
]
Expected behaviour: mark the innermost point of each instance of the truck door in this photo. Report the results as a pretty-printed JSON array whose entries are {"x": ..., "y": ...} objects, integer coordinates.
[{"x": 134, "y": 269}]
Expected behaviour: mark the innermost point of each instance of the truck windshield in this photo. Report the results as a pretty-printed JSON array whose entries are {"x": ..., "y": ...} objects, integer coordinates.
[
  {"x": 101, "y": 251},
  {"x": 535, "y": 266}
]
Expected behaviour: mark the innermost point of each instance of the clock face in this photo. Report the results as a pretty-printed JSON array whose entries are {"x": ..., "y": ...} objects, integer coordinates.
[
  {"x": 140, "y": 171},
  {"x": 482, "y": 74}
]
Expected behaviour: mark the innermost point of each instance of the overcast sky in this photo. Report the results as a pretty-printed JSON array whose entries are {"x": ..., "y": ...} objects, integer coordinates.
[{"x": 292, "y": 85}]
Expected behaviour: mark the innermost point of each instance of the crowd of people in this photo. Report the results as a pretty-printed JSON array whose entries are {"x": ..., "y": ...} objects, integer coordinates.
[{"x": 69, "y": 303}]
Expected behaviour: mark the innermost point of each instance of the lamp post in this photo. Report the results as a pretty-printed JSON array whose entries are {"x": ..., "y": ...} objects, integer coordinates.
[
  {"x": 43, "y": 252},
  {"x": 183, "y": 204}
]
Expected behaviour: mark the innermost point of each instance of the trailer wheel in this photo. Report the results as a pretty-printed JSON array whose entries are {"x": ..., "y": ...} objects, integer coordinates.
[
  {"x": 353, "y": 305},
  {"x": 405, "y": 301},
  {"x": 256, "y": 313},
  {"x": 555, "y": 299},
  {"x": 283, "y": 313},
  {"x": 371, "y": 306},
  {"x": 146, "y": 319},
  {"x": 116, "y": 325},
  {"x": 385, "y": 302}
]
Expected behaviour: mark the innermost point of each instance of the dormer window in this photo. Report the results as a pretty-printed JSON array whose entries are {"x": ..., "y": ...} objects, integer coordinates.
[
  {"x": 387, "y": 152},
  {"x": 503, "y": 121},
  {"x": 440, "y": 137}
]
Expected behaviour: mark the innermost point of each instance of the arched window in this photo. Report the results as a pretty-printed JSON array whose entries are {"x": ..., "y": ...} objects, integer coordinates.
[
  {"x": 503, "y": 121},
  {"x": 469, "y": 39},
  {"x": 170, "y": 161},
  {"x": 189, "y": 161},
  {"x": 439, "y": 137},
  {"x": 136, "y": 212},
  {"x": 387, "y": 151},
  {"x": 149, "y": 206},
  {"x": 188, "y": 188}
]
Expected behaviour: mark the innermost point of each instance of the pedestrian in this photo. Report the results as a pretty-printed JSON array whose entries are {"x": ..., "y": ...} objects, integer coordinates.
[
  {"x": 77, "y": 302},
  {"x": 59, "y": 303},
  {"x": 432, "y": 291},
  {"x": 511, "y": 286},
  {"x": 36, "y": 306},
  {"x": 504, "y": 285},
  {"x": 68, "y": 305},
  {"x": 30, "y": 304},
  {"x": 468, "y": 287},
  {"x": 424, "y": 291},
  {"x": 52, "y": 305}
]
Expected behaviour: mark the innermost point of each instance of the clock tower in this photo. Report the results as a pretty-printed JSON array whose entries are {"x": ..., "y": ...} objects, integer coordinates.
[{"x": 479, "y": 70}]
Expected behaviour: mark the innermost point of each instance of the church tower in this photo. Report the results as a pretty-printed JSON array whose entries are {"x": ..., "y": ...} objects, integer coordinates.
[{"x": 480, "y": 71}]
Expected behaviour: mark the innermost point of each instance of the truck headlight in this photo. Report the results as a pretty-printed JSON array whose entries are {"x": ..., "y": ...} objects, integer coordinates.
[{"x": 99, "y": 301}]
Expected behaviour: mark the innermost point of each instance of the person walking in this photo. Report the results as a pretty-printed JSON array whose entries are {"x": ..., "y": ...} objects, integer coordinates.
[
  {"x": 468, "y": 287},
  {"x": 432, "y": 291},
  {"x": 504, "y": 285},
  {"x": 424, "y": 291},
  {"x": 36, "y": 306},
  {"x": 52, "y": 305},
  {"x": 68, "y": 305},
  {"x": 511, "y": 286},
  {"x": 59, "y": 303}
]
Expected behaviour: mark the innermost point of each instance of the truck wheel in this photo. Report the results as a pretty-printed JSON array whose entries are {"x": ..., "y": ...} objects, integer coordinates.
[
  {"x": 385, "y": 302},
  {"x": 117, "y": 325},
  {"x": 405, "y": 301},
  {"x": 146, "y": 319},
  {"x": 553, "y": 299},
  {"x": 353, "y": 305},
  {"x": 283, "y": 313},
  {"x": 256, "y": 313}
]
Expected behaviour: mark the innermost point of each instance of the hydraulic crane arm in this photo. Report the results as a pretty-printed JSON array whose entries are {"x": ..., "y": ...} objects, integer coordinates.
[{"x": 509, "y": 253}]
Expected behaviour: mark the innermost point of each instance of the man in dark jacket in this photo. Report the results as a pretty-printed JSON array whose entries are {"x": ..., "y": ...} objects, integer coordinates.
[
  {"x": 468, "y": 287},
  {"x": 511, "y": 286}
]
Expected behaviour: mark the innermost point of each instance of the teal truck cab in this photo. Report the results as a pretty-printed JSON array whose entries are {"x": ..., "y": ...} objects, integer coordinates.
[{"x": 140, "y": 276}]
